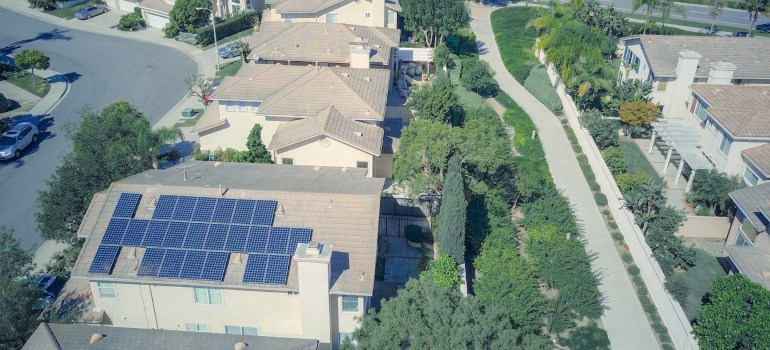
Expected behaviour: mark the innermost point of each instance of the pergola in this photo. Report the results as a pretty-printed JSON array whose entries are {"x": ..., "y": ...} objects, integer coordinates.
[{"x": 686, "y": 141}]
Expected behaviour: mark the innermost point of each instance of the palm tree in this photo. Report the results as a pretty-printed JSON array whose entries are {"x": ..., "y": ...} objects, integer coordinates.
[
  {"x": 666, "y": 7},
  {"x": 592, "y": 77},
  {"x": 151, "y": 141},
  {"x": 650, "y": 6}
]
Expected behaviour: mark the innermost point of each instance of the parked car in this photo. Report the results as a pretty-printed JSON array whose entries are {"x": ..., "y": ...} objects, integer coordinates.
[
  {"x": 89, "y": 11},
  {"x": 207, "y": 96},
  {"x": 742, "y": 34},
  {"x": 230, "y": 50},
  {"x": 50, "y": 287},
  {"x": 16, "y": 140}
]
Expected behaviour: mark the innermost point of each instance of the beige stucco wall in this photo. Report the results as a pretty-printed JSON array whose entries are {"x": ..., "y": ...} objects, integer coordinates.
[
  {"x": 383, "y": 166},
  {"x": 732, "y": 162},
  {"x": 235, "y": 133},
  {"x": 349, "y": 12},
  {"x": 336, "y": 154}
]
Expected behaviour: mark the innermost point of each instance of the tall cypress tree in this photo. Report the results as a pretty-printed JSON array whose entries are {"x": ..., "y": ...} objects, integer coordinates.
[
  {"x": 451, "y": 216},
  {"x": 257, "y": 152}
]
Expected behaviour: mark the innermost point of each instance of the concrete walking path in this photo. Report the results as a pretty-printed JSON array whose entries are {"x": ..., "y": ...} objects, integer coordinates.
[{"x": 625, "y": 321}]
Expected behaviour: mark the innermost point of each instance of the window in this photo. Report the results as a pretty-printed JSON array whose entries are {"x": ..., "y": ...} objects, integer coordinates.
[
  {"x": 255, "y": 106},
  {"x": 364, "y": 165},
  {"x": 107, "y": 290},
  {"x": 230, "y": 106},
  {"x": 241, "y": 330},
  {"x": 368, "y": 14},
  {"x": 636, "y": 64},
  {"x": 344, "y": 336},
  {"x": 662, "y": 83},
  {"x": 700, "y": 111},
  {"x": 332, "y": 18},
  {"x": 724, "y": 147},
  {"x": 750, "y": 177},
  {"x": 208, "y": 296},
  {"x": 349, "y": 303},
  {"x": 197, "y": 327},
  {"x": 391, "y": 17},
  {"x": 287, "y": 161},
  {"x": 748, "y": 230},
  {"x": 286, "y": 17},
  {"x": 242, "y": 107}
]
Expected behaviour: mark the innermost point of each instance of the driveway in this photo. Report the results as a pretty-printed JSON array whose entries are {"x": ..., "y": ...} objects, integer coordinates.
[{"x": 102, "y": 69}]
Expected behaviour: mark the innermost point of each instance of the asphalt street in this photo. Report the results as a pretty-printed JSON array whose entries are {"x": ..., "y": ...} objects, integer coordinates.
[
  {"x": 102, "y": 69},
  {"x": 695, "y": 13}
]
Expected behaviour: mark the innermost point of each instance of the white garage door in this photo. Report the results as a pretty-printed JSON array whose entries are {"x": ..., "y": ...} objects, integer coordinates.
[
  {"x": 157, "y": 21},
  {"x": 127, "y": 6}
]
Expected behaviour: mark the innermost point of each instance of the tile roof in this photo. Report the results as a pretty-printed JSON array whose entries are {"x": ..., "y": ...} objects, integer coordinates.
[
  {"x": 753, "y": 262},
  {"x": 751, "y": 200},
  {"x": 744, "y": 110},
  {"x": 298, "y": 91},
  {"x": 393, "y": 4},
  {"x": 332, "y": 123},
  {"x": 77, "y": 337},
  {"x": 341, "y": 206},
  {"x": 162, "y": 6},
  {"x": 320, "y": 42},
  {"x": 210, "y": 119},
  {"x": 304, "y": 6},
  {"x": 760, "y": 157},
  {"x": 748, "y": 54}
]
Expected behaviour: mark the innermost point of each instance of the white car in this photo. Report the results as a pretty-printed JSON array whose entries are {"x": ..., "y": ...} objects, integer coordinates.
[{"x": 16, "y": 140}]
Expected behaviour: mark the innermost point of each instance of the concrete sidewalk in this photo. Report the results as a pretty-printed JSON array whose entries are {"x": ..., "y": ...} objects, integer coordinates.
[{"x": 625, "y": 321}]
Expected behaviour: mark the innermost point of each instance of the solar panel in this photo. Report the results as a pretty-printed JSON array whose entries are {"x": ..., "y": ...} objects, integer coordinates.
[
  {"x": 255, "y": 268},
  {"x": 115, "y": 230},
  {"x": 104, "y": 259},
  {"x": 193, "y": 264},
  {"x": 203, "y": 209},
  {"x": 215, "y": 240},
  {"x": 175, "y": 234},
  {"x": 126, "y": 205},
  {"x": 236, "y": 238},
  {"x": 279, "y": 239},
  {"x": 214, "y": 269},
  {"x": 298, "y": 235},
  {"x": 257, "y": 239},
  {"x": 277, "y": 269},
  {"x": 172, "y": 263},
  {"x": 196, "y": 235},
  {"x": 244, "y": 210},
  {"x": 224, "y": 210},
  {"x": 264, "y": 213},
  {"x": 185, "y": 207},
  {"x": 165, "y": 207},
  {"x": 151, "y": 261},
  {"x": 135, "y": 232},
  {"x": 156, "y": 232}
]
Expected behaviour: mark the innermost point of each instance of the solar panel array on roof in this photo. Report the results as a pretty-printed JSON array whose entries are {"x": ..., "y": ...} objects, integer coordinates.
[{"x": 192, "y": 238}]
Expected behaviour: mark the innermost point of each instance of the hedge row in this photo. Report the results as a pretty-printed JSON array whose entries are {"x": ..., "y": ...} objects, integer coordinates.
[{"x": 230, "y": 26}]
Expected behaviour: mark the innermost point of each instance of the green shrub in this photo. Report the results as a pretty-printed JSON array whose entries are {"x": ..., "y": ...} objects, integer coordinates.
[
  {"x": 618, "y": 237},
  {"x": 606, "y": 212},
  {"x": 628, "y": 182},
  {"x": 600, "y": 198},
  {"x": 131, "y": 22},
  {"x": 414, "y": 233},
  {"x": 5, "y": 104},
  {"x": 444, "y": 271},
  {"x": 627, "y": 257},
  {"x": 613, "y": 225},
  {"x": 505, "y": 100},
  {"x": 638, "y": 280},
  {"x": 539, "y": 85},
  {"x": 647, "y": 305},
  {"x": 477, "y": 76},
  {"x": 615, "y": 158},
  {"x": 230, "y": 26},
  {"x": 588, "y": 337},
  {"x": 667, "y": 346},
  {"x": 603, "y": 131},
  {"x": 633, "y": 270},
  {"x": 660, "y": 329},
  {"x": 702, "y": 210},
  {"x": 592, "y": 182}
]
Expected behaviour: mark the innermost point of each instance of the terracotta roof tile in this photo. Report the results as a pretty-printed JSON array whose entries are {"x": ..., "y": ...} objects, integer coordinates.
[
  {"x": 209, "y": 119},
  {"x": 744, "y": 110},
  {"x": 760, "y": 156}
]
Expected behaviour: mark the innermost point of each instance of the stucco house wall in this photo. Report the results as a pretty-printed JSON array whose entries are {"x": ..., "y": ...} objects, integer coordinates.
[
  {"x": 349, "y": 12},
  {"x": 317, "y": 152}
]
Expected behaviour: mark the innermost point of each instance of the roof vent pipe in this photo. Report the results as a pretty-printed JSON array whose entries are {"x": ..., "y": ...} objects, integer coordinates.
[
  {"x": 220, "y": 191},
  {"x": 240, "y": 346},
  {"x": 95, "y": 338}
]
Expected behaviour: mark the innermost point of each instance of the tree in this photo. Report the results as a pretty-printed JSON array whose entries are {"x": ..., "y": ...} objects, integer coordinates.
[
  {"x": 666, "y": 7},
  {"x": 152, "y": 141},
  {"x": 425, "y": 315},
  {"x": 434, "y": 19},
  {"x": 715, "y": 8},
  {"x": 711, "y": 188},
  {"x": 47, "y": 5},
  {"x": 667, "y": 248},
  {"x": 452, "y": 213},
  {"x": 18, "y": 295},
  {"x": 756, "y": 8},
  {"x": 32, "y": 59},
  {"x": 639, "y": 114},
  {"x": 615, "y": 157},
  {"x": 477, "y": 76},
  {"x": 441, "y": 55},
  {"x": 604, "y": 131},
  {"x": 185, "y": 17},
  {"x": 435, "y": 101},
  {"x": 444, "y": 271},
  {"x": 592, "y": 79},
  {"x": 14, "y": 261},
  {"x": 421, "y": 160},
  {"x": 735, "y": 315},
  {"x": 199, "y": 86},
  {"x": 650, "y": 6},
  {"x": 256, "y": 151}
]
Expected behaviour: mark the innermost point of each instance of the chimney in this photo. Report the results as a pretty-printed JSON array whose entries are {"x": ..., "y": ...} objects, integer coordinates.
[
  {"x": 721, "y": 73},
  {"x": 360, "y": 52},
  {"x": 314, "y": 276},
  {"x": 687, "y": 65},
  {"x": 378, "y": 13}
]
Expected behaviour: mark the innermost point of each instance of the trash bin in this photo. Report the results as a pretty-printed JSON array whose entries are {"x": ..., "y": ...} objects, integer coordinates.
[{"x": 188, "y": 113}]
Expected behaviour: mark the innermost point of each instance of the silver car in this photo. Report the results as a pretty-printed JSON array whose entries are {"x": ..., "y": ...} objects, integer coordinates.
[
  {"x": 16, "y": 140},
  {"x": 89, "y": 11}
]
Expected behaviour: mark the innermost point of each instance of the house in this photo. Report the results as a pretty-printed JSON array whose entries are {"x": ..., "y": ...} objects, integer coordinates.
[
  {"x": 748, "y": 243},
  {"x": 123, "y": 5},
  {"x": 258, "y": 249},
  {"x": 156, "y": 12},
  {"x": 52, "y": 336},
  {"x": 322, "y": 44},
  {"x": 757, "y": 161},
  {"x": 342, "y": 109},
  {"x": 673, "y": 63},
  {"x": 369, "y": 13}
]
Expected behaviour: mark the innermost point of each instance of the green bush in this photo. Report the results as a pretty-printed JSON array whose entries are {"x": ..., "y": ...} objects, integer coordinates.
[
  {"x": 629, "y": 182},
  {"x": 627, "y": 257},
  {"x": 615, "y": 158},
  {"x": 600, "y": 198},
  {"x": 5, "y": 104},
  {"x": 505, "y": 100},
  {"x": 477, "y": 76},
  {"x": 618, "y": 237},
  {"x": 589, "y": 337},
  {"x": 592, "y": 184},
  {"x": 606, "y": 213},
  {"x": 131, "y": 22},
  {"x": 613, "y": 225},
  {"x": 539, "y": 85},
  {"x": 633, "y": 270},
  {"x": 603, "y": 131},
  {"x": 667, "y": 346},
  {"x": 232, "y": 25},
  {"x": 515, "y": 40}
]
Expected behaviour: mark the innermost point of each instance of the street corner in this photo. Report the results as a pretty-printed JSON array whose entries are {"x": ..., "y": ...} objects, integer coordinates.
[{"x": 21, "y": 100}]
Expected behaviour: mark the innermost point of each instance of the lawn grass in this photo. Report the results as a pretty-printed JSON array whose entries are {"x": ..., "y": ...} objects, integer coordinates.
[
  {"x": 636, "y": 162},
  {"x": 69, "y": 12},
  {"x": 514, "y": 40},
  {"x": 469, "y": 99},
  {"x": 539, "y": 85},
  {"x": 191, "y": 121},
  {"x": 698, "y": 280},
  {"x": 25, "y": 82},
  {"x": 228, "y": 69},
  {"x": 240, "y": 35}
]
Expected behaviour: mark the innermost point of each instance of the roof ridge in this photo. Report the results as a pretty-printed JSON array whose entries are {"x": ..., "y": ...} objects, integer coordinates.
[
  {"x": 338, "y": 72},
  {"x": 284, "y": 33},
  {"x": 267, "y": 102}
]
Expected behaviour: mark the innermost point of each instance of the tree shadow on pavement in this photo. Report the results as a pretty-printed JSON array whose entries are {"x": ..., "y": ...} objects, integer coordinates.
[
  {"x": 54, "y": 34},
  {"x": 66, "y": 78}
]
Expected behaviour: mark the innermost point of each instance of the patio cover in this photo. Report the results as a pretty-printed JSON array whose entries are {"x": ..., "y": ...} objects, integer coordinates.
[
  {"x": 686, "y": 141},
  {"x": 753, "y": 262}
]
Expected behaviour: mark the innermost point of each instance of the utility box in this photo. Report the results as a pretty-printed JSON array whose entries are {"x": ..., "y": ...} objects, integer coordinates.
[{"x": 188, "y": 113}]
